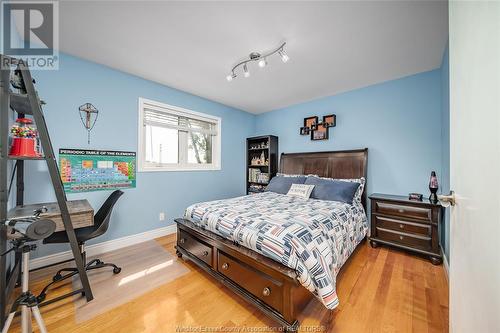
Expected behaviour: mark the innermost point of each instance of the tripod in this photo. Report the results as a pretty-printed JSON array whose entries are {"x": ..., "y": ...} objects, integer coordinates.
[{"x": 26, "y": 300}]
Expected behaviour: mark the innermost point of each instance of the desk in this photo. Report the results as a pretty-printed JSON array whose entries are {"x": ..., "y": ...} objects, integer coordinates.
[{"x": 82, "y": 213}]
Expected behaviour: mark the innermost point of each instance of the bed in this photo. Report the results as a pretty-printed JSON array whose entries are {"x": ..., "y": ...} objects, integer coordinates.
[{"x": 277, "y": 251}]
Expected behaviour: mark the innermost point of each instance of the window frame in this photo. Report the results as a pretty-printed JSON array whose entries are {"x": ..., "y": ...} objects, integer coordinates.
[{"x": 216, "y": 144}]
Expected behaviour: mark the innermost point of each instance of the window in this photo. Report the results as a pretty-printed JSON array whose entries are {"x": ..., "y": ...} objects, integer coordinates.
[{"x": 173, "y": 138}]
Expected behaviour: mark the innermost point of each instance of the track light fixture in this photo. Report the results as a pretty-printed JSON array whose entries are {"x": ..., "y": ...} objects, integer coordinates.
[{"x": 261, "y": 59}]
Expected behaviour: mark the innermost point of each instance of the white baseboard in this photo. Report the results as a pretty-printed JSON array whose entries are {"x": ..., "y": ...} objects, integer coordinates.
[
  {"x": 446, "y": 265},
  {"x": 107, "y": 246}
]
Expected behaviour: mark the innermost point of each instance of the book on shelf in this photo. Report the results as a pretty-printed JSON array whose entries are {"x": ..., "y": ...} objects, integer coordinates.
[{"x": 256, "y": 176}]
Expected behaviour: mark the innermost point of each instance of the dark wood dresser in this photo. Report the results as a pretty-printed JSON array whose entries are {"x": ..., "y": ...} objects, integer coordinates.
[{"x": 407, "y": 224}]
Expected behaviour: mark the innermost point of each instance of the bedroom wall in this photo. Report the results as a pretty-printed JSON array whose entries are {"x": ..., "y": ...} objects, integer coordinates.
[
  {"x": 399, "y": 121},
  {"x": 445, "y": 139},
  {"x": 116, "y": 95},
  {"x": 404, "y": 123}
]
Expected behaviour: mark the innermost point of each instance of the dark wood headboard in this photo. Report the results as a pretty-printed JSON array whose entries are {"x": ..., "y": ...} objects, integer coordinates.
[{"x": 333, "y": 164}]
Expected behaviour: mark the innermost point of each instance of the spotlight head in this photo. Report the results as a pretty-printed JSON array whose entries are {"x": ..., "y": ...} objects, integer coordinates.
[
  {"x": 230, "y": 77},
  {"x": 284, "y": 56},
  {"x": 246, "y": 73},
  {"x": 262, "y": 62}
]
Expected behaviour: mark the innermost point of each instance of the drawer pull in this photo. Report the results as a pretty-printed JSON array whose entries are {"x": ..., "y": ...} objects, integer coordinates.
[
  {"x": 402, "y": 226},
  {"x": 401, "y": 211},
  {"x": 401, "y": 237},
  {"x": 225, "y": 266},
  {"x": 266, "y": 291},
  {"x": 182, "y": 240},
  {"x": 205, "y": 253}
]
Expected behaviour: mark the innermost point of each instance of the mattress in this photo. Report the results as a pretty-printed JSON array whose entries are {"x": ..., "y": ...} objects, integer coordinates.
[{"x": 313, "y": 237}]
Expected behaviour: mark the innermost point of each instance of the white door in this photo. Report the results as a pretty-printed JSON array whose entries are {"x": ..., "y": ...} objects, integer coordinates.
[{"x": 475, "y": 166}]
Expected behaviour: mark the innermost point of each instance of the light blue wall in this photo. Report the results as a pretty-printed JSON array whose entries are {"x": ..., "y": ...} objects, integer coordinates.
[
  {"x": 116, "y": 95},
  {"x": 445, "y": 139},
  {"x": 399, "y": 121}
]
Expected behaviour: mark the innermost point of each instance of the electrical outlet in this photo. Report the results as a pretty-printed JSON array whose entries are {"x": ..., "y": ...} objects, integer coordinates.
[{"x": 162, "y": 216}]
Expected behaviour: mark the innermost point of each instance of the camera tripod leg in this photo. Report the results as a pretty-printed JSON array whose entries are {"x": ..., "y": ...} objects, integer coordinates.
[
  {"x": 39, "y": 319},
  {"x": 9, "y": 320},
  {"x": 26, "y": 325},
  {"x": 26, "y": 319},
  {"x": 25, "y": 310},
  {"x": 12, "y": 314},
  {"x": 26, "y": 300}
]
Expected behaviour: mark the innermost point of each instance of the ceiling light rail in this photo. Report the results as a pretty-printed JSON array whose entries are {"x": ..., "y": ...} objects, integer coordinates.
[{"x": 261, "y": 59}]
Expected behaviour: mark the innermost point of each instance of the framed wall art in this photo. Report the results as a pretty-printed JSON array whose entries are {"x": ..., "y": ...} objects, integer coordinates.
[
  {"x": 321, "y": 133},
  {"x": 318, "y": 130}
]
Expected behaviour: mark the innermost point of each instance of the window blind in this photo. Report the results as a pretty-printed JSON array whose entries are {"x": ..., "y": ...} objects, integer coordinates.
[{"x": 172, "y": 119}]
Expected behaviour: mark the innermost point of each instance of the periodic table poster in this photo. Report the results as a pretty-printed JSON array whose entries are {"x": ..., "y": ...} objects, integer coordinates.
[{"x": 96, "y": 170}]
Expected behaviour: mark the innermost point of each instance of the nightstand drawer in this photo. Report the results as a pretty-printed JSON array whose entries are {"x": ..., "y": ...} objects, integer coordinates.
[
  {"x": 420, "y": 213},
  {"x": 403, "y": 226},
  {"x": 421, "y": 242}
]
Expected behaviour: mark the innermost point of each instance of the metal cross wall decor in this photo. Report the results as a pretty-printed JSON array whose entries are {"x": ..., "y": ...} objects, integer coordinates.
[{"x": 88, "y": 115}]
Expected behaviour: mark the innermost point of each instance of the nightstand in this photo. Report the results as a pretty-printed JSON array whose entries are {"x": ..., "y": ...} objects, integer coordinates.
[{"x": 406, "y": 224}]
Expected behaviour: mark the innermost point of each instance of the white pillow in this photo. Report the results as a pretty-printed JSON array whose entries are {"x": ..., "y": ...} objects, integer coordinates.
[{"x": 300, "y": 190}]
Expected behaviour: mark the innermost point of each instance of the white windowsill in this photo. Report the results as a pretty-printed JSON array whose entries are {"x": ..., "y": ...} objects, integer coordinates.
[{"x": 176, "y": 168}]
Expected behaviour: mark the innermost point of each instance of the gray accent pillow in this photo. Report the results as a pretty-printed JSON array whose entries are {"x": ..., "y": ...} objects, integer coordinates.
[
  {"x": 332, "y": 190},
  {"x": 281, "y": 184},
  {"x": 359, "y": 192}
]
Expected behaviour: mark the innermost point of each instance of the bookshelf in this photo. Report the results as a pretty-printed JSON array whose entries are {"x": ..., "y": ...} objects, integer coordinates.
[{"x": 262, "y": 162}]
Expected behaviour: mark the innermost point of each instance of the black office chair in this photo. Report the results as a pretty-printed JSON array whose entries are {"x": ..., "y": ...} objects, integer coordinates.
[{"x": 101, "y": 224}]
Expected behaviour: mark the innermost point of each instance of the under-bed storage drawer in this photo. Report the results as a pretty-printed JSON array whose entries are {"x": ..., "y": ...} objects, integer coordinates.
[
  {"x": 196, "y": 247},
  {"x": 257, "y": 283}
]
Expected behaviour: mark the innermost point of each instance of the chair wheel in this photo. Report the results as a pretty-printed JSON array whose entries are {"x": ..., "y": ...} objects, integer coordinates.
[
  {"x": 117, "y": 270},
  {"x": 57, "y": 277}
]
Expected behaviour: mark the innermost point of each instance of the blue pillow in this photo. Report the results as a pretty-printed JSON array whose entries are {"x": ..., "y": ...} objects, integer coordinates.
[
  {"x": 332, "y": 190},
  {"x": 281, "y": 184}
]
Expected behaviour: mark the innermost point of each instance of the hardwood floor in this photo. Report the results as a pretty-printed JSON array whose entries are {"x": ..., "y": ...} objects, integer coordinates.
[{"x": 380, "y": 290}]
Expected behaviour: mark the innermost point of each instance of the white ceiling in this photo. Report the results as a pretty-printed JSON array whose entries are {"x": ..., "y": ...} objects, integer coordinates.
[{"x": 334, "y": 46}]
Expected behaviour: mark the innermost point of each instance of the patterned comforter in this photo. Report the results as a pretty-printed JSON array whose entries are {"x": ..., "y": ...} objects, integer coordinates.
[{"x": 313, "y": 237}]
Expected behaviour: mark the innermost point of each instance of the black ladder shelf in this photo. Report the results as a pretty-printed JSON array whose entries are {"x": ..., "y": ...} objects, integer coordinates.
[{"x": 26, "y": 102}]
